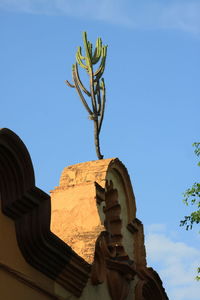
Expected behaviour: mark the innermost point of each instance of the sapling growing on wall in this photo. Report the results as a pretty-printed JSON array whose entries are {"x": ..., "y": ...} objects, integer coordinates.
[{"x": 96, "y": 91}]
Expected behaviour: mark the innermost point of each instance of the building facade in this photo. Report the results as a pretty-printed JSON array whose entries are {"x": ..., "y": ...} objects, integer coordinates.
[{"x": 84, "y": 242}]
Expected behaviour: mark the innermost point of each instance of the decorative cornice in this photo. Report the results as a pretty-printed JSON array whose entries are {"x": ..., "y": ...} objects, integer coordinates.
[
  {"x": 122, "y": 172},
  {"x": 149, "y": 285},
  {"x": 111, "y": 261},
  {"x": 100, "y": 193},
  {"x": 30, "y": 208},
  {"x": 134, "y": 225}
]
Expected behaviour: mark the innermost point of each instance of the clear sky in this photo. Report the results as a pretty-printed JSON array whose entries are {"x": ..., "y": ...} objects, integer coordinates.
[{"x": 152, "y": 110}]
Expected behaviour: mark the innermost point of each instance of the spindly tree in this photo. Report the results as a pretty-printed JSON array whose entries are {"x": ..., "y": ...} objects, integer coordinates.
[
  {"x": 96, "y": 91},
  {"x": 192, "y": 197}
]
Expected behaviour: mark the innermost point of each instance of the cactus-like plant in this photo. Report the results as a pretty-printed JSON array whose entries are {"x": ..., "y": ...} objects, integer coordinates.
[{"x": 97, "y": 91}]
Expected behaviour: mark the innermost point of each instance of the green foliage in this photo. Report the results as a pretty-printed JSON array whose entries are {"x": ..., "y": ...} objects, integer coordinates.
[
  {"x": 96, "y": 91},
  {"x": 198, "y": 277},
  {"x": 192, "y": 197}
]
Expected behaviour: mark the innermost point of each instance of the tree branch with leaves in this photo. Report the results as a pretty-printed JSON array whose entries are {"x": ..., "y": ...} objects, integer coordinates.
[
  {"x": 192, "y": 197},
  {"x": 97, "y": 90}
]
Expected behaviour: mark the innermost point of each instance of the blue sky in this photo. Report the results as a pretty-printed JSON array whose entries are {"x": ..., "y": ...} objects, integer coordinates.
[{"x": 152, "y": 110}]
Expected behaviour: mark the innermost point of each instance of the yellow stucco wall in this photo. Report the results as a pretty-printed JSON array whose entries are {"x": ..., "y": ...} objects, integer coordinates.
[{"x": 18, "y": 280}]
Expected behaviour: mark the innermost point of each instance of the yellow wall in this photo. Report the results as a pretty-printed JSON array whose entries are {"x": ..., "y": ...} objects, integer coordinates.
[{"x": 18, "y": 280}]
